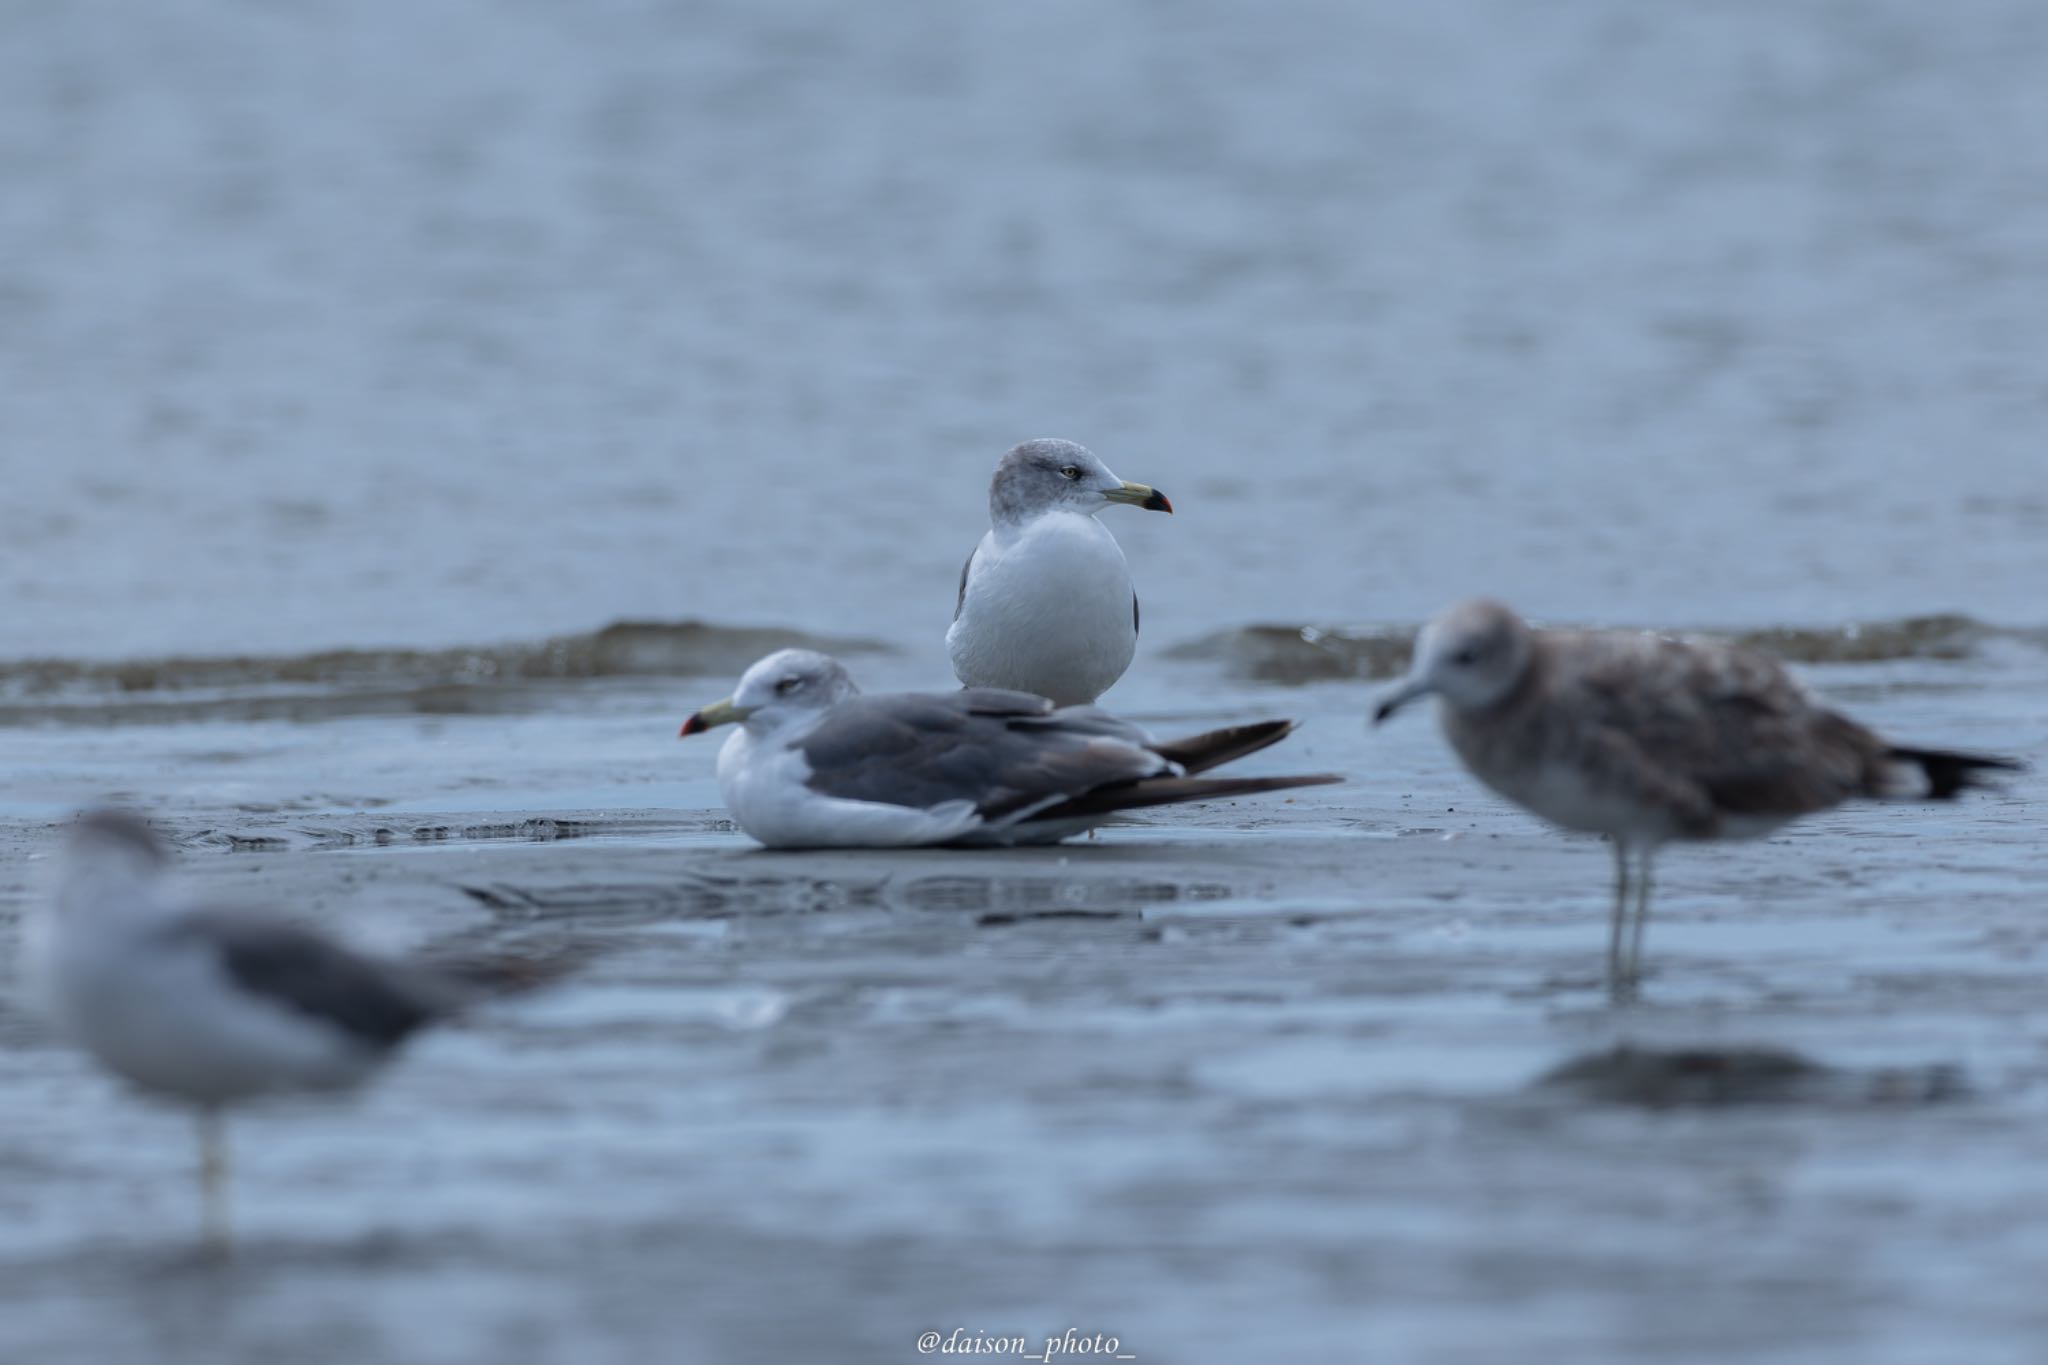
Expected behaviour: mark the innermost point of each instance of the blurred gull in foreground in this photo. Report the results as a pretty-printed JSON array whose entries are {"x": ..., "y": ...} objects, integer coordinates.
[
  {"x": 1649, "y": 740},
  {"x": 209, "y": 1006},
  {"x": 1046, "y": 603},
  {"x": 815, "y": 764}
]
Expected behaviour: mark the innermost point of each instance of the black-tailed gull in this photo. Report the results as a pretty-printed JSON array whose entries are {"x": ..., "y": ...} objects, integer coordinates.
[
  {"x": 1046, "y": 604},
  {"x": 1651, "y": 740},
  {"x": 210, "y": 1006},
  {"x": 815, "y": 764}
]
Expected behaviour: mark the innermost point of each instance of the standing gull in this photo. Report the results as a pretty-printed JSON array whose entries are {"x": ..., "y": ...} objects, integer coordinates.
[
  {"x": 1648, "y": 740},
  {"x": 1046, "y": 604},
  {"x": 815, "y": 764},
  {"x": 207, "y": 1006}
]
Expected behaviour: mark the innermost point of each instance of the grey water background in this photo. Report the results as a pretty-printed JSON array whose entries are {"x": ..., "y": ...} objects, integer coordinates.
[
  {"x": 359, "y": 366},
  {"x": 336, "y": 324}
]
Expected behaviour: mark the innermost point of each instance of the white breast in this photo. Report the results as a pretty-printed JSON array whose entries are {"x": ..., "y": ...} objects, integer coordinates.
[{"x": 1050, "y": 612}]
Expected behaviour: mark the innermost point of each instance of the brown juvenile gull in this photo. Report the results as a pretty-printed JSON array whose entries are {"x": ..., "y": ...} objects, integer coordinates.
[
  {"x": 210, "y": 1006},
  {"x": 1045, "y": 603},
  {"x": 1648, "y": 740},
  {"x": 815, "y": 764}
]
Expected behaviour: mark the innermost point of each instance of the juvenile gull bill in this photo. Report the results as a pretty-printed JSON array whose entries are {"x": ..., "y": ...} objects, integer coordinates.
[
  {"x": 1045, "y": 603},
  {"x": 211, "y": 1007},
  {"x": 815, "y": 764},
  {"x": 1651, "y": 740}
]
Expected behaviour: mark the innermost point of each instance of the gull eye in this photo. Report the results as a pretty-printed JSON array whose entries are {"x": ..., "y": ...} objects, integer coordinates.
[
  {"x": 787, "y": 686},
  {"x": 1465, "y": 657},
  {"x": 1072, "y": 471}
]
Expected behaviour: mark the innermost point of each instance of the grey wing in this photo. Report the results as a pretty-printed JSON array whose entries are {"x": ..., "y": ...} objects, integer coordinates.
[
  {"x": 1002, "y": 751},
  {"x": 378, "y": 1003},
  {"x": 966, "y": 567},
  {"x": 1028, "y": 709},
  {"x": 1092, "y": 720},
  {"x": 998, "y": 701},
  {"x": 1733, "y": 725}
]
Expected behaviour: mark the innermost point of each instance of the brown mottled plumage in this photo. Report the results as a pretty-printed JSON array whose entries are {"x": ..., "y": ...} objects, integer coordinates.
[
  {"x": 1648, "y": 739},
  {"x": 1695, "y": 738}
]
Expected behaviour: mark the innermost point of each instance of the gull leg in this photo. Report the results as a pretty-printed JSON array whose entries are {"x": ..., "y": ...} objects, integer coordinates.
[
  {"x": 213, "y": 1172},
  {"x": 1616, "y": 980},
  {"x": 1635, "y": 938}
]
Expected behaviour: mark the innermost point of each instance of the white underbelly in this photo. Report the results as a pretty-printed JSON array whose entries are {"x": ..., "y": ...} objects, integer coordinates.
[
  {"x": 764, "y": 786},
  {"x": 1052, "y": 614}
]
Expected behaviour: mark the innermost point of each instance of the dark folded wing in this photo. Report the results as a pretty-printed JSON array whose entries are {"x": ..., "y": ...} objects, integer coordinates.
[
  {"x": 375, "y": 1002},
  {"x": 1172, "y": 791},
  {"x": 966, "y": 567},
  {"x": 1002, "y": 751},
  {"x": 1214, "y": 748}
]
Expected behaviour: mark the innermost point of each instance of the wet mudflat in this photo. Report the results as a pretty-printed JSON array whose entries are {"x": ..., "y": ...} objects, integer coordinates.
[
  {"x": 1334, "y": 1076},
  {"x": 363, "y": 363}
]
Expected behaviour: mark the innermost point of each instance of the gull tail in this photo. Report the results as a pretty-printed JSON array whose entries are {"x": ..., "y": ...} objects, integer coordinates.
[
  {"x": 1949, "y": 772},
  {"x": 1172, "y": 791},
  {"x": 1214, "y": 748}
]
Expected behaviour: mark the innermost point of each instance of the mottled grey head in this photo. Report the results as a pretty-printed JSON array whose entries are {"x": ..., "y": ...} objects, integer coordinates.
[
  {"x": 117, "y": 838},
  {"x": 788, "y": 682},
  {"x": 1048, "y": 475},
  {"x": 1471, "y": 656}
]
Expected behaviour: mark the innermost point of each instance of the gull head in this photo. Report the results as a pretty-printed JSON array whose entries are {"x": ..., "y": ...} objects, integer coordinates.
[
  {"x": 1059, "y": 476},
  {"x": 115, "y": 835},
  {"x": 789, "y": 682},
  {"x": 1472, "y": 655},
  {"x": 109, "y": 858}
]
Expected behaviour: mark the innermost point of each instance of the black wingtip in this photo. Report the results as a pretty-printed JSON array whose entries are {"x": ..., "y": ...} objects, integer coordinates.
[
  {"x": 1949, "y": 772},
  {"x": 1213, "y": 748},
  {"x": 1174, "y": 791}
]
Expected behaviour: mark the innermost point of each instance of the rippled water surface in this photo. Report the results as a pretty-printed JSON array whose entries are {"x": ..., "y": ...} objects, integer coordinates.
[
  {"x": 409, "y": 415},
  {"x": 504, "y": 320}
]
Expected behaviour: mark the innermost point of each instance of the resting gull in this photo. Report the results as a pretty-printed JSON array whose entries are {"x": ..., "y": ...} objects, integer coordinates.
[
  {"x": 815, "y": 764},
  {"x": 1648, "y": 740},
  {"x": 209, "y": 1006},
  {"x": 1046, "y": 604}
]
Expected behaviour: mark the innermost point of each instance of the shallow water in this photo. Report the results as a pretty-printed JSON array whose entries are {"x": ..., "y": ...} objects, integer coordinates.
[
  {"x": 496, "y": 322},
  {"x": 363, "y": 368}
]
